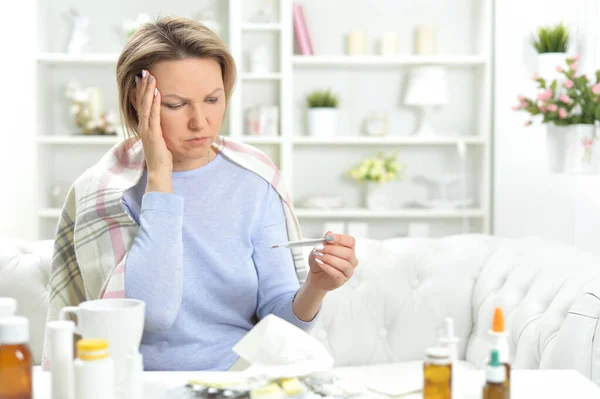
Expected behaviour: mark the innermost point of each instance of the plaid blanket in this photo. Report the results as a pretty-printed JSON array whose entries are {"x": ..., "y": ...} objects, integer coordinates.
[{"x": 94, "y": 231}]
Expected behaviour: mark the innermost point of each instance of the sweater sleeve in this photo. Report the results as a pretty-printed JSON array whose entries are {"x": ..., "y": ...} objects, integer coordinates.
[
  {"x": 277, "y": 280},
  {"x": 154, "y": 266}
]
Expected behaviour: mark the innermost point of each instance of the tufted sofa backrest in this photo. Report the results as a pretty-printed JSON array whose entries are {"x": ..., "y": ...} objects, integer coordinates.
[
  {"x": 540, "y": 286},
  {"x": 24, "y": 275},
  {"x": 394, "y": 306}
]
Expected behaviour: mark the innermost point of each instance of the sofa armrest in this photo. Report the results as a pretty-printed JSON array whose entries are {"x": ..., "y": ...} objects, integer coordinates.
[{"x": 577, "y": 343}]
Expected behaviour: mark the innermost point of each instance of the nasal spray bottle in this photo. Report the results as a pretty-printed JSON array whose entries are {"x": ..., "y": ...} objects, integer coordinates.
[
  {"x": 499, "y": 340},
  {"x": 451, "y": 342}
]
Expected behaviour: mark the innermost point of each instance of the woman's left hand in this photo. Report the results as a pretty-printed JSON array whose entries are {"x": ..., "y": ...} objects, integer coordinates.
[{"x": 332, "y": 263}]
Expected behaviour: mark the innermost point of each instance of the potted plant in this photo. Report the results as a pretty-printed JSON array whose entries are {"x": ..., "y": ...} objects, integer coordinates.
[
  {"x": 322, "y": 113},
  {"x": 570, "y": 109},
  {"x": 374, "y": 172},
  {"x": 551, "y": 43}
]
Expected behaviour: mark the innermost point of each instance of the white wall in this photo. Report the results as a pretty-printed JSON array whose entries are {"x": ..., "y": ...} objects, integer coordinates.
[
  {"x": 17, "y": 102},
  {"x": 527, "y": 199}
]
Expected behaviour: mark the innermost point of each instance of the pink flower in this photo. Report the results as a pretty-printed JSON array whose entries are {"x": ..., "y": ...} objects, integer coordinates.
[
  {"x": 568, "y": 84},
  {"x": 545, "y": 96},
  {"x": 542, "y": 108},
  {"x": 552, "y": 107},
  {"x": 559, "y": 69},
  {"x": 516, "y": 107},
  {"x": 562, "y": 113},
  {"x": 523, "y": 104},
  {"x": 596, "y": 89},
  {"x": 574, "y": 66},
  {"x": 521, "y": 98},
  {"x": 535, "y": 76},
  {"x": 565, "y": 99},
  {"x": 574, "y": 58}
]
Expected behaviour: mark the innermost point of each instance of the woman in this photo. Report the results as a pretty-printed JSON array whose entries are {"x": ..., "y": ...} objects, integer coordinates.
[{"x": 184, "y": 219}]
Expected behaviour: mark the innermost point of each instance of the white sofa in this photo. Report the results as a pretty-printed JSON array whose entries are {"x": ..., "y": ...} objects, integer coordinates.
[{"x": 394, "y": 306}]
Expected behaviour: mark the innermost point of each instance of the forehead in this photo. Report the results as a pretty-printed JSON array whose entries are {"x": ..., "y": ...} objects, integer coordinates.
[{"x": 190, "y": 75}]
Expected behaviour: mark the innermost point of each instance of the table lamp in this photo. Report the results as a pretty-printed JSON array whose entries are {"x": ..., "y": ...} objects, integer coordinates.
[{"x": 427, "y": 88}]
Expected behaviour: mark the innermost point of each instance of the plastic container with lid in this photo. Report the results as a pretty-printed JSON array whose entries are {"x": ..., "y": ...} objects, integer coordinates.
[
  {"x": 437, "y": 374},
  {"x": 16, "y": 362},
  {"x": 93, "y": 370}
]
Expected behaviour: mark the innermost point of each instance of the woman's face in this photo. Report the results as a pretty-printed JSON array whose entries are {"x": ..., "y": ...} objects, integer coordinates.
[{"x": 192, "y": 108}]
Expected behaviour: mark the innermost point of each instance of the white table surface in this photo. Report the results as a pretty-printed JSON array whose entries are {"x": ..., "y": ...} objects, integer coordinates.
[{"x": 525, "y": 384}]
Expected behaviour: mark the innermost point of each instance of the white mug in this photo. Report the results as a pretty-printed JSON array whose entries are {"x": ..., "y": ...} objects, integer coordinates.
[{"x": 119, "y": 321}]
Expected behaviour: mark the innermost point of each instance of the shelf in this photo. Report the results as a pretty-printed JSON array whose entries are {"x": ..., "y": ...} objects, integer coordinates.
[
  {"x": 387, "y": 140},
  {"x": 259, "y": 140},
  {"x": 79, "y": 140},
  {"x": 359, "y": 213},
  {"x": 260, "y": 76},
  {"x": 257, "y": 27},
  {"x": 78, "y": 59},
  {"x": 387, "y": 61},
  {"x": 49, "y": 213}
]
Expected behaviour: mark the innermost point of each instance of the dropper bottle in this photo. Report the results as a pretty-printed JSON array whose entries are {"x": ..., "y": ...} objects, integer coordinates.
[
  {"x": 495, "y": 378},
  {"x": 451, "y": 342}
]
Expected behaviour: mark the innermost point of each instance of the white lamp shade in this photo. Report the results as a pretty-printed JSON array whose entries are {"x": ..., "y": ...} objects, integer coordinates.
[{"x": 427, "y": 86}]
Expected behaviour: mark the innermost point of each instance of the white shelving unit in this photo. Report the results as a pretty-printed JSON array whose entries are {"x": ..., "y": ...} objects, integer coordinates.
[
  {"x": 292, "y": 142},
  {"x": 291, "y": 149}
]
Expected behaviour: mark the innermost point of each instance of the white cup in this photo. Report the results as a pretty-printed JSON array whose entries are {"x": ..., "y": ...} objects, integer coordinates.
[{"x": 119, "y": 321}]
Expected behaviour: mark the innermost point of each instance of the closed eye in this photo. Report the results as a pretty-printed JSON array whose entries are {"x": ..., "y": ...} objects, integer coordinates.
[
  {"x": 212, "y": 100},
  {"x": 174, "y": 106}
]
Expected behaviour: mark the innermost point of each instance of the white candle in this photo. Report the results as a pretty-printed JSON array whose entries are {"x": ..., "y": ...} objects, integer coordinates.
[
  {"x": 95, "y": 102},
  {"x": 425, "y": 40},
  {"x": 389, "y": 43},
  {"x": 356, "y": 43}
]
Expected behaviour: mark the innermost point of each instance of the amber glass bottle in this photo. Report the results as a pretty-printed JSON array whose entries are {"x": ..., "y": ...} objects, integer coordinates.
[
  {"x": 16, "y": 362},
  {"x": 437, "y": 374}
]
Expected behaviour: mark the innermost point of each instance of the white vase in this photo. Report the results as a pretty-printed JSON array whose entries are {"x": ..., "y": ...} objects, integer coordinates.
[
  {"x": 375, "y": 197},
  {"x": 547, "y": 63},
  {"x": 572, "y": 149},
  {"x": 322, "y": 122}
]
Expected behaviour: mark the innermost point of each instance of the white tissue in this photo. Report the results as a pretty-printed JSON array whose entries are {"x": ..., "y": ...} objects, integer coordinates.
[{"x": 276, "y": 348}]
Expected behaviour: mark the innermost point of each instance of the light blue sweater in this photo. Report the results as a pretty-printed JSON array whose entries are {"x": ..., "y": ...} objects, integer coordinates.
[{"x": 203, "y": 265}]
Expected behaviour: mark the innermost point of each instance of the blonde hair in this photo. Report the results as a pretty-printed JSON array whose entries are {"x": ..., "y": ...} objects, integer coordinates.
[{"x": 169, "y": 38}]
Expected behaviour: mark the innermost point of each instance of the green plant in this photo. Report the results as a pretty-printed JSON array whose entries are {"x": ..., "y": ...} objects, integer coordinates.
[
  {"x": 321, "y": 99},
  {"x": 552, "y": 39},
  {"x": 575, "y": 100},
  {"x": 379, "y": 169}
]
